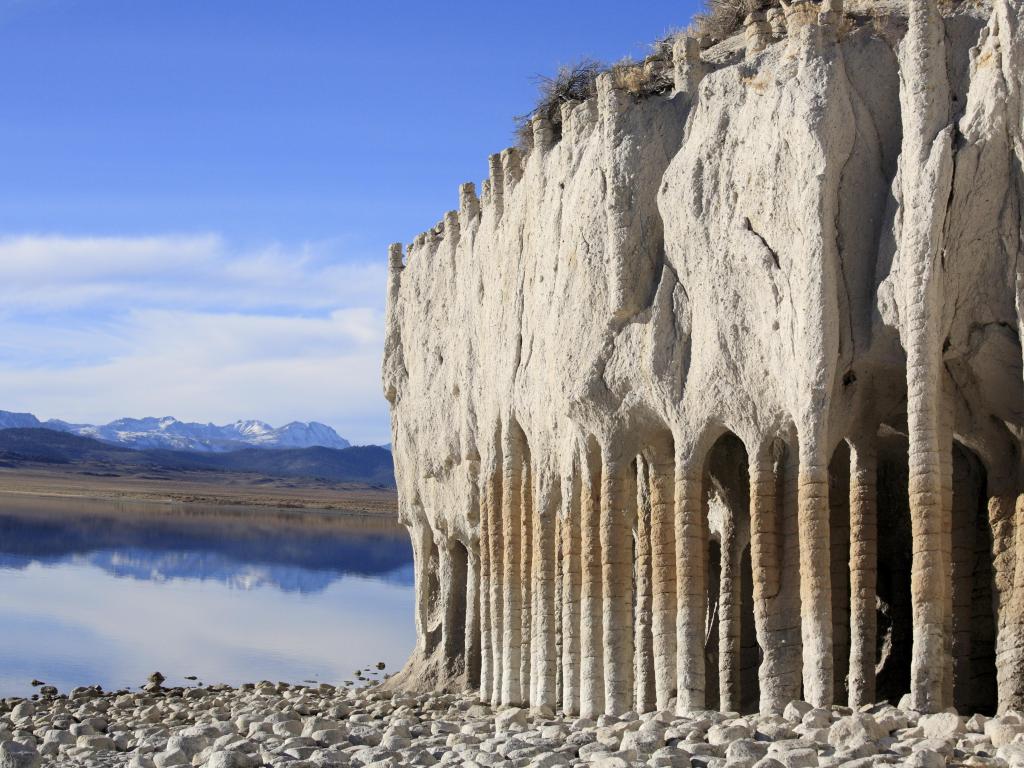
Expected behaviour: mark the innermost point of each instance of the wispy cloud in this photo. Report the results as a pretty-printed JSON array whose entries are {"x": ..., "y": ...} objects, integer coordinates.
[
  {"x": 54, "y": 273},
  {"x": 96, "y": 328}
]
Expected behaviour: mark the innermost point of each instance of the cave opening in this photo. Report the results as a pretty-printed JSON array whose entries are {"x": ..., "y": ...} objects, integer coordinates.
[
  {"x": 711, "y": 628},
  {"x": 895, "y": 631},
  {"x": 432, "y": 614},
  {"x": 839, "y": 542},
  {"x": 458, "y": 610},
  {"x": 974, "y": 620},
  {"x": 732, "y": 654},
  {"x": 971, "y": 577},
  {"x": 750, "y": 651}
]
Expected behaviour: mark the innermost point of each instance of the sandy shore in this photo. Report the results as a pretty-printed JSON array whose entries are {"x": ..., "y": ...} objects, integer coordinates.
[{"x": 209, "y": 488}]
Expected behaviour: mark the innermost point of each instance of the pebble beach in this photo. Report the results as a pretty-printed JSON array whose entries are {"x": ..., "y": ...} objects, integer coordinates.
[{"x": 275, "y": 724}]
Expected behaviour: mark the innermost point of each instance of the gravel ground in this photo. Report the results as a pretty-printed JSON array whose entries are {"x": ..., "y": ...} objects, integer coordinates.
[{"x": 275, "y": 725}]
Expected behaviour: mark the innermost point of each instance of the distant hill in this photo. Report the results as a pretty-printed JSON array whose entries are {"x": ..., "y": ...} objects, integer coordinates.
[
  {"x": 35, "y": 444},
  {"x": 369, "y": 464},
  {"x": 168, "y": 432},
  {"x": 10, "y": 420}
]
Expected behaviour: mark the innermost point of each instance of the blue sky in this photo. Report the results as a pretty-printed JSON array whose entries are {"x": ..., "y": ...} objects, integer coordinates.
[{"x": 197, "y": 195}]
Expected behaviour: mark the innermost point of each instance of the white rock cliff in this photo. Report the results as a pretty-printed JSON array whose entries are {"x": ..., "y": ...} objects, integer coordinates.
[{"x": 714, "y": 399}]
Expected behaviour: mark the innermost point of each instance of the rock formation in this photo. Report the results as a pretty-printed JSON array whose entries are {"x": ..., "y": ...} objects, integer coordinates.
[{"x": 714, "y": 399}]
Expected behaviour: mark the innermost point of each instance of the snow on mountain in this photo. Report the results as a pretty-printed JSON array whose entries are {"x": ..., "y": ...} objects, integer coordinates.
[
  {"x": 168, "y": 432},
  {"x": 300, "y": 435},
  {"x": 252, "y": 428}
]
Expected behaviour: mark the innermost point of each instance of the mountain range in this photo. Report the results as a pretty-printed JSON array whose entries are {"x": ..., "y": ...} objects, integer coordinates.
[
  {"x": 171, "y": 434},
  {"x": 43, "y": 447}
]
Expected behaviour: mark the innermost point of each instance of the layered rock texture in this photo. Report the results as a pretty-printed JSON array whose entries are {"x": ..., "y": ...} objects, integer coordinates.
[{"x": 714, "y": 400}]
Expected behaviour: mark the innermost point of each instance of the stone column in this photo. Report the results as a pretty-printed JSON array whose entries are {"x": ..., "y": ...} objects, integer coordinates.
[
  {"x": 591, "y": 654},
  {"x": 1010, "y": 669},
  {"x": 764, "y": 562},
  {"x": 777, "y": 21},
  {"x": 863, "y": 571},
  {"x": 663, "y": 578},
  {"x": 469, "y": 205},
  {"x": 688, "y": 69},
  {"x": 729, "y": 619},
  {"x": 543, "y": 133},
  {"x": 495, "y": 185},
  {"x": 1005, "y": 517},
  {"x": 929, "y": 579},
  {"x": 571, "y": 587},
  {"x": 472, "y": 623},
  {"x": 618, "y": 510},
  {"x": 787, "y": 605},
  {"x": 420, "y": 537},
  {"x": 497, "y": 568},
  {"x": 815, "y": 574},
  {"x": 393, "y": 361},
  {"x": 923, "y": 190},
  {"x": 630, "y": 235},
  {"x": 484, "y": 570},
  {"x": 691, "y": 567},
  {"x": 542, "y": 674},
  {"x": 452, "y": 581},
  {"x": 946, "y": 426},
  {"x": 512, "y": 608},
  {"x": 757, "y": 33},
  {"x": 559, "y": 601},
  {"x": 511, "y": 169},
  {"x": 526, "y": 515},
  {"x": 643, "y": 671}
]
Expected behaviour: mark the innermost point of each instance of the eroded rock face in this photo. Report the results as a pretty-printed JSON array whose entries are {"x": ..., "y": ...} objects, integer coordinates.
[{"x": 701, "y": 382}]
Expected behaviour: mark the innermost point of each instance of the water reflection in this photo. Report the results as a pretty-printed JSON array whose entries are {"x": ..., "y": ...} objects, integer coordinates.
[{"x": 107, "y": 592}]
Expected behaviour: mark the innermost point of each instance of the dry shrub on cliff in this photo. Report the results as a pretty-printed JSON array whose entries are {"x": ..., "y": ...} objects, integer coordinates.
[
  {"x": 646, "y": 78},
  {"x": 572, "y": 83},
  {"x": 721, "y": 19},
  {"x": 579, "y": 83}
]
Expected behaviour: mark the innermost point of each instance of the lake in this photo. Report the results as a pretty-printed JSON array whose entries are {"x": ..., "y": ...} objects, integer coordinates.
[{"x": 107, "y": 592}]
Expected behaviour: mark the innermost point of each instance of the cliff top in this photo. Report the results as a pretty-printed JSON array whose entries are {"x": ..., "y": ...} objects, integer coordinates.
[{"x": 719, "y": 34}]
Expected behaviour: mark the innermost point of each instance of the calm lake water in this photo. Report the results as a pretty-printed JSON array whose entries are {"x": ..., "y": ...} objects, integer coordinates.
[{"x": 107, "y": 592}]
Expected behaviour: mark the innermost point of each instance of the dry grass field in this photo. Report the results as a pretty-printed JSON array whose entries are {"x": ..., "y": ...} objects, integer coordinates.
[{"x": 228, "y": 489}]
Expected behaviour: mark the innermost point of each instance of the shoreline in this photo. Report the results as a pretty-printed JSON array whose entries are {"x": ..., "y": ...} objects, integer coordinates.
[
  {"x": 228, "y": 491},
  {"x": 318, "y": 726}
]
